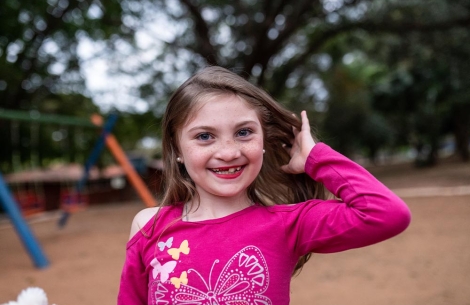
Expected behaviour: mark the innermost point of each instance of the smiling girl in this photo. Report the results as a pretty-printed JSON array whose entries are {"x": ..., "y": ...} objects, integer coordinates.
[{"x": 245, "y": 202}]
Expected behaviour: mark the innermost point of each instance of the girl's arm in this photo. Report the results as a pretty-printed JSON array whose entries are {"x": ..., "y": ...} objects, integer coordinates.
[
  {"x": 134, "y": 279},
  {"x": 367, "y": 212}
]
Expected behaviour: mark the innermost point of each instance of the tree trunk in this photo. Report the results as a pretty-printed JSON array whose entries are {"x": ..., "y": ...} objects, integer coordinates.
[{"x": 462, "y": 135}]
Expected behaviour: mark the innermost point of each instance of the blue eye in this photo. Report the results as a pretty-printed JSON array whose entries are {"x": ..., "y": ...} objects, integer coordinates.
[
  {"x": 244, "y": 132},
  {"x": 203, "y": 136}
]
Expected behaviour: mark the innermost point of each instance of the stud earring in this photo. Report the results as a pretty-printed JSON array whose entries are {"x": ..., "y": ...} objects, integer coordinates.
[
  {"x": 179, "y": 160},
  {"x": 264, "y": 151}
]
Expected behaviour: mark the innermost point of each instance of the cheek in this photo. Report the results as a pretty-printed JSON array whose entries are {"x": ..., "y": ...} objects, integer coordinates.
[
  {"x": 255, "y": 149},
  {"x": 195, "y": 157}
]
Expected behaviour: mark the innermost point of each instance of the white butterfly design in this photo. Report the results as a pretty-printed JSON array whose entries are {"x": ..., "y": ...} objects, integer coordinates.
[
  {"x": 164, "y": 270},
  {"x": 243, "y": 281},
  {"x": 168, "y": 244}
]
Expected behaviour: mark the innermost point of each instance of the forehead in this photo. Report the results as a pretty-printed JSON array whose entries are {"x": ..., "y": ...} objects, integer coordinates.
[{"x": 220, "y": 108}]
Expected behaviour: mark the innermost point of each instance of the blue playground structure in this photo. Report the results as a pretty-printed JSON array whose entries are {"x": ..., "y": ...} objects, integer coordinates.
[
  {"x": 10, "y": 205},
  {"x": 21, "y": 227},
  {"x": 12, "y": 209},
  {"x": 92, "y": 159}
]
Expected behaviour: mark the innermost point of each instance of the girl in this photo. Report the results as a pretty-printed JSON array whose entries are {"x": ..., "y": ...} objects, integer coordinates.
[{"x": 227, "y": 231}]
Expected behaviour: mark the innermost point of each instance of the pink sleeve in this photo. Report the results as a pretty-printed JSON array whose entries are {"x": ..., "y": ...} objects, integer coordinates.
[
  {"x": 367, "y": 213},
  {"x": 133, "y": 286}
]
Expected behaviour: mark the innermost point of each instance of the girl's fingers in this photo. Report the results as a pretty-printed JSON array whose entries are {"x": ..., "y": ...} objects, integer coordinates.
[
  {"x": 301, "y": 146},
  {"x": 305, "y": 122},
  {"x": 295, "y": 131}
]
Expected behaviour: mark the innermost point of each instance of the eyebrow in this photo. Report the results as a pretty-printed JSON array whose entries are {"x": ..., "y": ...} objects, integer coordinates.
[{"x": 205, "y": 127}]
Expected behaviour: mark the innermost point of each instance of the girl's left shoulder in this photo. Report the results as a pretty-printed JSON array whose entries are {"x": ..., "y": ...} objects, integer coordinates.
[{"x": 141, "y": 219}]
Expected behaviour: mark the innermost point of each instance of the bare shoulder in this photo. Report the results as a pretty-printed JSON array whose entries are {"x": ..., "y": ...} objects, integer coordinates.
[{"x": 141, "y": 219}]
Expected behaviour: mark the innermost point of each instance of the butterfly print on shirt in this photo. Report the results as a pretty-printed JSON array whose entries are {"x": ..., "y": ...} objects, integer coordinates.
[
  {"x": 183, "y": 248},
  {"x": 243, "y": 281},
  {"x": 164, "y": 270},
  {"x": 168, "y": 244}
]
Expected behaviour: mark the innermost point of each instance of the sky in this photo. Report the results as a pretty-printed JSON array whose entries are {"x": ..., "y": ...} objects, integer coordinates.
[{"x": 109, "y": 89}]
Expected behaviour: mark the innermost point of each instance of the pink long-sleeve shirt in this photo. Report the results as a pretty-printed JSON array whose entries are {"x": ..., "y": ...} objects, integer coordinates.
[{"x": 248, "y": 257}]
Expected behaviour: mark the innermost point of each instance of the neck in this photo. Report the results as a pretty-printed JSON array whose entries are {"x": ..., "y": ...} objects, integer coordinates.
[{"x": 212, "y": 208}]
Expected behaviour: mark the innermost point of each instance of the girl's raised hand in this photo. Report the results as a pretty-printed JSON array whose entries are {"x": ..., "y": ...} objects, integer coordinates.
[{"x": 301, "y": 147}]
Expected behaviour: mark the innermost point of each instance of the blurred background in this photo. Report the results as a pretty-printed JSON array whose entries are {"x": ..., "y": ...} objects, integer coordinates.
[
  {"x": 377, "y": 77},
  {"x": 384, "y": 82}
]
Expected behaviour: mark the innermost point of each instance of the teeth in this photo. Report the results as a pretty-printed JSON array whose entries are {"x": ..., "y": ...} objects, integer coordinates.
[{"x": 229, "y": 171}]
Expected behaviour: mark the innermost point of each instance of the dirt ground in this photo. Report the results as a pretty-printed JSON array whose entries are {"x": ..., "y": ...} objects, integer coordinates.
[{"x": 428, "y": 264}]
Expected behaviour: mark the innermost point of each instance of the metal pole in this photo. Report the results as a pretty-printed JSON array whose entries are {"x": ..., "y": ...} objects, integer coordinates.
[
  {"x": 92, "y": 159},
  {"x": 22, "y": 228},
  {"x": 36, "y": 116}
]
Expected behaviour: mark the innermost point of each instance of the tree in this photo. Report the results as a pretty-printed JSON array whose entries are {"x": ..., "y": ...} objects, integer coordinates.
[
  {"x": 40, "y": 66},
  {"x": 291, "y": 48},
  {"x": 350, "y": 123},
  {"x": 285, "y": 46},
  {"x": 39, "y": 46},
  {"x": 426, "y": 91}
]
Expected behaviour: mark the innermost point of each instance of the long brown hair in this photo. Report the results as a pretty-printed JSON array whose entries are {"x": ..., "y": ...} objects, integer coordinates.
[{"x": 272, "y": 186}]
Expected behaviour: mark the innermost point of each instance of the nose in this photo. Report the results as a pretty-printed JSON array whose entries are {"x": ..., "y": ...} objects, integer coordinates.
[{"x": 228, "y": 150}]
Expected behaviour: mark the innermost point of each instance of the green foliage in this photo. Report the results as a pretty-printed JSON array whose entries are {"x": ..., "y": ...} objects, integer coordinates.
[
  {"x": 40, "y": 71},
  {"x": 38, "y": 46},
  {"x": 351, "y": 124},
  {"x": 136, "y": 126},
  {"x": 373, "y": 74},
  {"x": 426, "y": 85},
  {"x": 30, "y": 144}
]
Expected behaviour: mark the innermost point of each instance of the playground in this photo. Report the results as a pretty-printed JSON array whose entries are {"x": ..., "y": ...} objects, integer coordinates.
[{"x": 427, "y": 264}]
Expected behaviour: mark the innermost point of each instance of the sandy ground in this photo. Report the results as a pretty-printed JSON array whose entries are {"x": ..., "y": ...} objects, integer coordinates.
[{"x": 429, "y": 264}]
